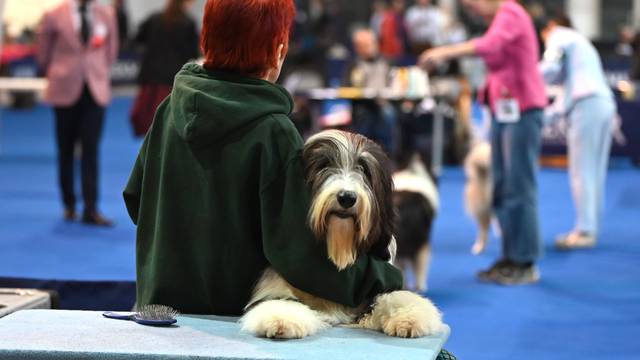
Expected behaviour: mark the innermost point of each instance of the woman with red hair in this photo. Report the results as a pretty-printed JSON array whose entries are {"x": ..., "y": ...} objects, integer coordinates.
[{"x": 218, "y": 191}]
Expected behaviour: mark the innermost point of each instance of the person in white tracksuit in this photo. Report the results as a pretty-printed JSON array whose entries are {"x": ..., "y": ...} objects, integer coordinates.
[{"x": 570, "y": 60}]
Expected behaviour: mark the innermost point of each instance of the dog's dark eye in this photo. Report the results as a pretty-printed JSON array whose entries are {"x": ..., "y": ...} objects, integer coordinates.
[
  {"x": 362, "y": 163},
  {"x": 323, "y": 162}
]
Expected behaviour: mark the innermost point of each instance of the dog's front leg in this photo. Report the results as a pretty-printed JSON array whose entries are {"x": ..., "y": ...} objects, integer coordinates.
[
  {"x": 282, "y": 319},
  {"x": 403, "y": 314}
]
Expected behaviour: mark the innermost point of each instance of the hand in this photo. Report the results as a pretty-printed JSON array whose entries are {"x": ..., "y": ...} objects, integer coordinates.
[
  {"x": 552, "y": 116},
  {"x": 432, "y": 58}
]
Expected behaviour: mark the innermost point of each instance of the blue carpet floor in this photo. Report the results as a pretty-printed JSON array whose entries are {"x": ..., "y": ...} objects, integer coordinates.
[
  {"x": 36, "y": 242},
  {"x": 587, "y": 305}
]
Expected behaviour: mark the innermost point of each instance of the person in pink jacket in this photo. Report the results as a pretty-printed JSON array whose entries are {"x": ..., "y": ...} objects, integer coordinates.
[
  {"x": 517, "y": 97},
  {"x": 77, "y": 44}
]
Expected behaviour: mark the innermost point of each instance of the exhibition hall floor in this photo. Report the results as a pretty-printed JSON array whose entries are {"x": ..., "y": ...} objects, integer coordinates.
[{"x": 587, "y": 305}]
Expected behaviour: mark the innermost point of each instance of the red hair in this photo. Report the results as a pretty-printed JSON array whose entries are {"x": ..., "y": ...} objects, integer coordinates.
[{"x": 244, "y": 35}]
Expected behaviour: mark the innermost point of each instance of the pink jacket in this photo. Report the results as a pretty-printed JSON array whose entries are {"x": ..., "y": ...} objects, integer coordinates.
[
  {"x": 69, "y": 64},
  {"x": 510, "y": 50}
]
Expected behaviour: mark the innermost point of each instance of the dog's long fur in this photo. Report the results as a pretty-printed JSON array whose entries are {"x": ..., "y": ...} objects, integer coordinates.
[
  {"x": 478, "y": 192},
  {"x": 338, "y": 163}
]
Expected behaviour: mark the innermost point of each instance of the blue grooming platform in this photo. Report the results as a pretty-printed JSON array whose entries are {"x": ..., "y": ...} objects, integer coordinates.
[{"x": 58, "y": 334}]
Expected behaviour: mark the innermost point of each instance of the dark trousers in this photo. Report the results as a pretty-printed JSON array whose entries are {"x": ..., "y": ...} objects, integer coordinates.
[
  {"x": 80, "y": 122},
  {"x": 377, "y": 122}
]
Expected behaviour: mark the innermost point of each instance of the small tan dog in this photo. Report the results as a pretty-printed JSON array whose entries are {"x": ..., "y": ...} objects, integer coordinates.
[{"x": 478, "y": 192}]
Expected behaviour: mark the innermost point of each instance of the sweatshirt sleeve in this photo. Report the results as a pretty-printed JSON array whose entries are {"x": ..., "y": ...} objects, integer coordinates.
[
  {"x": 133, "y": 191},
  {"x": 45, "y": 41},
  {"x": 551, "y": 66},
  {"x": 292, "y": 250},
  {"x": 504, "y": 29}
]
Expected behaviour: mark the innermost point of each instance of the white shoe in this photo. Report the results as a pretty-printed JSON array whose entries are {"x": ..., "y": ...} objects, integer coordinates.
[{"x": 575, "y": 240}]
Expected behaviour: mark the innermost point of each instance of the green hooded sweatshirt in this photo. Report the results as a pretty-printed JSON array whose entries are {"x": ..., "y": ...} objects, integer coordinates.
[{"x": 218, "y": 195}]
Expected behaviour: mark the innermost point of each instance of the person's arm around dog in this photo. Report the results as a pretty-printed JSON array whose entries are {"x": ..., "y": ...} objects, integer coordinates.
[{"x": 218, "y": 191}]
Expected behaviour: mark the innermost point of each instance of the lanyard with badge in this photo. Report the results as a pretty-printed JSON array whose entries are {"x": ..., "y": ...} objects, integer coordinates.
[{"x": 507, "y": 108}]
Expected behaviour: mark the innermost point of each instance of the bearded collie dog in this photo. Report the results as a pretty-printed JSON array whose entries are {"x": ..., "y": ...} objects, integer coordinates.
[
  {"x": 478, "y": 192},
  {"x": 416, "y": 199},
  {"x": 352, "y": 213}
]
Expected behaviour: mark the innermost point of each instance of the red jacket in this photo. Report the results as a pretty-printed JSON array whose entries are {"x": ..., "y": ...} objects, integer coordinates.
[{"x": 391, "y": 35}]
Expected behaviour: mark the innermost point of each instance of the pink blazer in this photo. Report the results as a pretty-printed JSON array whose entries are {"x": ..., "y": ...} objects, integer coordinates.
[{"x": 68, "y": 63}]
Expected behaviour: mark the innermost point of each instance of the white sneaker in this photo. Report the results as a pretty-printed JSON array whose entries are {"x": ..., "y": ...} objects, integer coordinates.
[{"x": 575, "y": 240}]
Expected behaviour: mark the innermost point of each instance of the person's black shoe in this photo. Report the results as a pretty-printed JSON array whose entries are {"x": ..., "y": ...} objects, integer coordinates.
[
  {"x": 96, "y": 219},
  {"x": 489, "y": 273},
  {"x": 510, "y": 273},
  {"x": 70, "y": 215}
]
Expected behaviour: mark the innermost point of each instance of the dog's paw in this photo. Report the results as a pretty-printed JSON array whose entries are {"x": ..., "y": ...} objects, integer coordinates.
[
  {"x": 282, "y": 319},
  {"x": 279, "y": 328},
  {"x": 403, "y": 327},
  {"x": 406, "y": 314}
]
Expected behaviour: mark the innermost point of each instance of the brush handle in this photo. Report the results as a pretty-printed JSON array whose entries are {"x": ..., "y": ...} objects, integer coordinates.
[
  {"x": 136, "y": 318},
  {"x": 119, "y": 315}
]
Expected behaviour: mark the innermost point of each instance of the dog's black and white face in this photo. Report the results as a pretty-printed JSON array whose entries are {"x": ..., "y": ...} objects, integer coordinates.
[{"x": 352, "y": 189}]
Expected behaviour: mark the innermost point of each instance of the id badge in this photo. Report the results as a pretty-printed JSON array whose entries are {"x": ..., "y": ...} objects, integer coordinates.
[{"x": 507, "y": 111}]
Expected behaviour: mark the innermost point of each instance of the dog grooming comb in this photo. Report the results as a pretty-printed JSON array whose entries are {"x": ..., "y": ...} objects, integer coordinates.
[{"x": 153, "y": 315}]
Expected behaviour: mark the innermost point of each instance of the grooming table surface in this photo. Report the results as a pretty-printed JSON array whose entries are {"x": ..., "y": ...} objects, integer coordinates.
[{"x": 58, "y": 334}]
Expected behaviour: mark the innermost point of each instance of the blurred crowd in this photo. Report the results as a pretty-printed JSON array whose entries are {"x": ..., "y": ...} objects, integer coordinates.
[
  {"x": 323, "y": 30},
  {"x": 402, "y": 31},
  {"x": 322, "y": 37},
  {"x": 330, "y": 47}
]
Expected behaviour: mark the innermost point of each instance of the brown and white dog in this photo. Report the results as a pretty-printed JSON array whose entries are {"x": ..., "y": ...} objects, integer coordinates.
[
  {"x": 352, "y": 212},
  {"x": 478, "y": 192}
]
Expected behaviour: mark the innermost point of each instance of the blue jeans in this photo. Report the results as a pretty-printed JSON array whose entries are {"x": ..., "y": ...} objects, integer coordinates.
[{"x": 515, "y": 148}]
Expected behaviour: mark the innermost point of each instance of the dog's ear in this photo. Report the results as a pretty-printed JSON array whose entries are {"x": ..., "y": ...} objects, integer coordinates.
[
  {"x": 380, "y": 246},
  {"x": 314, "y": 157},
  {"x": 382, "y": 186},
  {"x": 307, "y": 158}
]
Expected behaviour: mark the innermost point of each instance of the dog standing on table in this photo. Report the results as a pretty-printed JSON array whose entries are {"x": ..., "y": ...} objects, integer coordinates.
[
  {"x": 352, "y": 211},
  {"x": 478, "y": 192}
]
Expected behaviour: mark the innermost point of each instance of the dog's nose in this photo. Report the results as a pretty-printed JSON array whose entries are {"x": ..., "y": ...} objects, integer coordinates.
[{"x": 347, "y": 199}]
